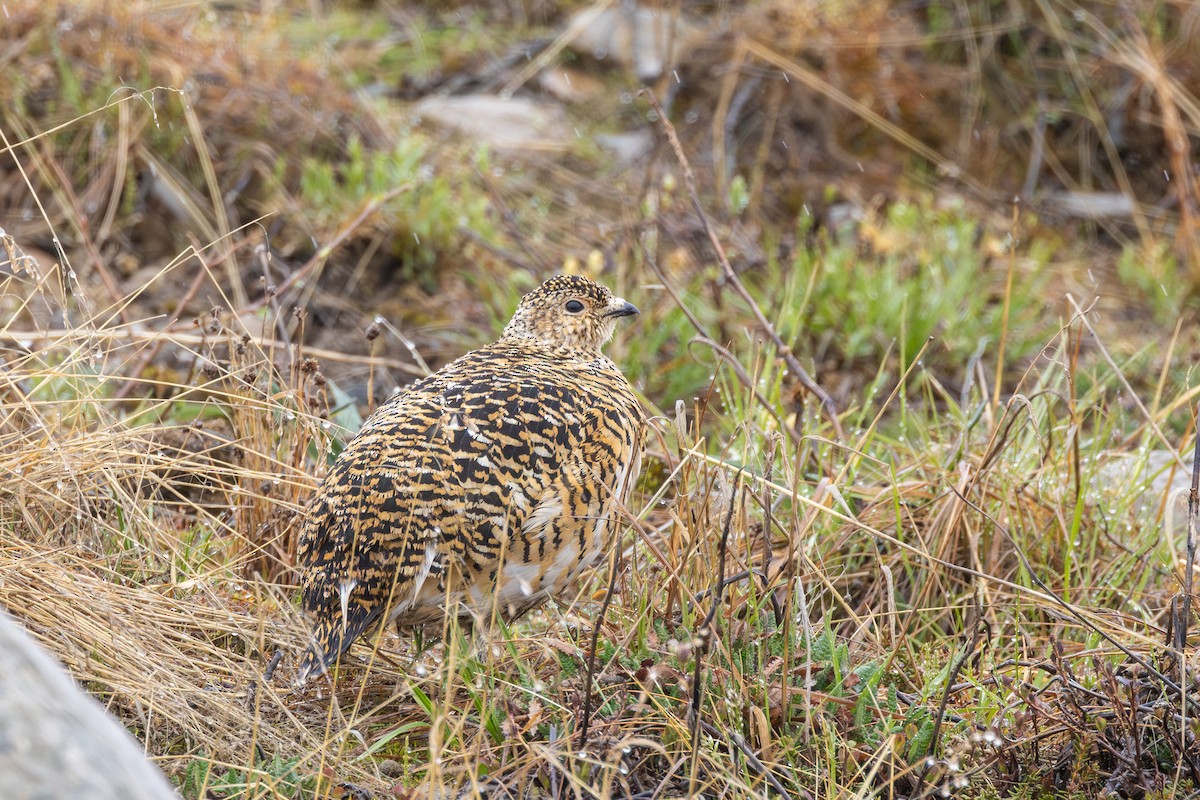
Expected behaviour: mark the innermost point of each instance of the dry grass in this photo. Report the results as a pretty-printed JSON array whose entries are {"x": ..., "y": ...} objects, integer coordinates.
[
  {"x": 152, "y": 556},
  {"x": 954, "y": 594},
  {"x": 134, "y": 536}
]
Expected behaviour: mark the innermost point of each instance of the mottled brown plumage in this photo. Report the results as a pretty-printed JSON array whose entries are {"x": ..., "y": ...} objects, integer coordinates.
[{"x": 486, "y": 487}]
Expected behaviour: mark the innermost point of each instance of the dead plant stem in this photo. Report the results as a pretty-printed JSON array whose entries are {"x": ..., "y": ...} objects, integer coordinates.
[
  {"x": 1075, "y": 611},
  {"x": 1185, "y": 618},
  {"x": 1150, "y": 420},
  {"x": 705, "y": 635},
  {"x": 1008, "y": 285},
  {"x": 785, "y": 351},
  {"x": 589, "y": 676}
]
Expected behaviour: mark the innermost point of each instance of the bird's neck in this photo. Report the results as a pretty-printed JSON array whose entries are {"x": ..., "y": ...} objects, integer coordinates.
[{"x": 535, "y": 347}]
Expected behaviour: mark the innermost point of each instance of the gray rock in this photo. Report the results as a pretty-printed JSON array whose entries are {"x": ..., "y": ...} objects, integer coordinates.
[
  {"x": 1153, "y": 478},
  {"x": 1091, "y": 205},
  {"x": 504, "y": 123},
  {"x": 627, "y": 147},
  {"x": 647, "y": 41},
  {"x": 56, "y": 742}
]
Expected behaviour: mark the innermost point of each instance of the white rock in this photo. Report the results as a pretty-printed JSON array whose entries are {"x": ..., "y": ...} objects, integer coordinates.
[
  {"x": 58, "y": 743},
  {"x": 506, "y": 124},
  {"x": 1156, "y": 477},
  {"x": 649, "y": 41}
]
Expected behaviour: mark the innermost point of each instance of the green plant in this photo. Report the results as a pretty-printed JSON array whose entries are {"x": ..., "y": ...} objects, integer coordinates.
[
  {"x": 204, "y": 779},
  {"x": 920, "y": 277},
  {"x": 1152, "y": 268},
  {"x": 424, "y": 210}
]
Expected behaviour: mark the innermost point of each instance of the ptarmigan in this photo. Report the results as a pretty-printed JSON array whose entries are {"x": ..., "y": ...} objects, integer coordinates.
[{"x": 486, "y": 487}]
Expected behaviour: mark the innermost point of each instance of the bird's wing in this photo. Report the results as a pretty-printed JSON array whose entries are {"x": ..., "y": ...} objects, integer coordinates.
[
  {"x": 376, "y": 524},
  {"x": 435, "y": 484}
]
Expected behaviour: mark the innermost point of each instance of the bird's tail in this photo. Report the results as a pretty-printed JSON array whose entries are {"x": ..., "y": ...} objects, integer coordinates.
[
  {"x": 314, "y": 662},
  {"x": 329, "y": 639}
]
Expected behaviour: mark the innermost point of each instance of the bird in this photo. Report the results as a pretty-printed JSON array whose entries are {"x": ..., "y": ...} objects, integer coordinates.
[{"x": 485, "y": 488}]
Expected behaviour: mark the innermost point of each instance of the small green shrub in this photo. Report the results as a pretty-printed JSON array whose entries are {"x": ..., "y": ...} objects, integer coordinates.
[{"x": 425, "y": 214}]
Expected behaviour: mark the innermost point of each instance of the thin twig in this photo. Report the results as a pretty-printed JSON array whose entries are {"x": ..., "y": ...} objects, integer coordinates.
[
  {"x": 956, "y": 667},
  {"x": 706, "y": 634},
  {"x": 734, "y": 738},
  {"x": 707, "y": 339},
  {"x": 586, "y": 714},
  {"x": 318, "y": 258},
  {"x": 151, "y": 353},
  {"x": 1185, "y": 618},
  {"x": 785, "y": 352},
  {"x": 1150, "y": 420},
  {"x": 1193, "y": 510},
  {"x": 135, "y": 335}
]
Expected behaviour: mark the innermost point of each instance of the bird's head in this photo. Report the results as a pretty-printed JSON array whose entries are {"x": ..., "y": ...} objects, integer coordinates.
[{"x": 568, "y": 313}]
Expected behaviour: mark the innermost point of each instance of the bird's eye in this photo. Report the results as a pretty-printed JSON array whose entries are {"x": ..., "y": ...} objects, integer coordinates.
[{"x": 574, "y": 306}]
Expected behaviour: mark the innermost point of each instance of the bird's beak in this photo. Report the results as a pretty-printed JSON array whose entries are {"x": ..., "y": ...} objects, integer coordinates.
[{"x": 619, "y": 308}]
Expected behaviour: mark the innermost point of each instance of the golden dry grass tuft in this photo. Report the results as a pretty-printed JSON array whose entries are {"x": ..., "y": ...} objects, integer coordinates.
[{"x": 138, "y": 529}]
